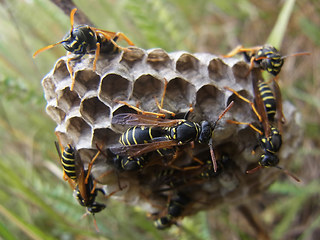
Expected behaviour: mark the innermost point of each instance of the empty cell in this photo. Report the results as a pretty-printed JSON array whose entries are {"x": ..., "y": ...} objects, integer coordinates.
[
  {"x": 179, "y": 95},
  {"x": 49, "y": 88},
  {"x": 94, "y": 111},
  {"x": 217, "y": 69},
  {"x": 114, "y": 87},
  {"x": 104, "y": 137},
  {"x": 60, "y": 71},
  {"x": 145, "y": 89},
  {"x": 56, "y": 114},
  {"x": 210, "y": 101},
  {"x": 86, "y": 80},
  {"x": 240, "y": 71},
  {"x": 67, "y": 99},
  {"x": 79, "y": 131}
]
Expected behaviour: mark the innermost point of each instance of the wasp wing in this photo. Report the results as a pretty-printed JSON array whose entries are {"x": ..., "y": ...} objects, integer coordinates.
[
  {"x": 133, "y": 119},
  {"x": 81, "y": 176},
  {"x": 280, "y": 116},
  {"x": 140, "y": 149}
]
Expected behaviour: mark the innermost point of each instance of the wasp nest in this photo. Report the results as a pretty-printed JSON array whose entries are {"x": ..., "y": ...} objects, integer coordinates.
[{"x": 84, "y": 116}]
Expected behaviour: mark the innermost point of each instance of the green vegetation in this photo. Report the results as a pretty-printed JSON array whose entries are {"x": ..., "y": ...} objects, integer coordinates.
[{"x": 33, "y": 199}]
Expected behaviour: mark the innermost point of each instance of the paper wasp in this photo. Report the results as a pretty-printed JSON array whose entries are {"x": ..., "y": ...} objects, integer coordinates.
[
  {"x": 175, "y": 209},
  {"x": 266, "y": 106},
  {"x": 152, "y": 134},
  {"x": 82, "y": 183},
  {"x": 84, "y": 39},
  {"x": 266, "y": 57}
]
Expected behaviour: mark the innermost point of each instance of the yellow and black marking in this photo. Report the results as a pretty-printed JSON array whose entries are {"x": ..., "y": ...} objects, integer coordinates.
[
  {"x": 82, "y": 40},
  {"x": 68, "y": 162},
  {"x": 140, "y": 135},
  {"x": 269, "y": 59},
  {"x": 268, "y": 99},
  {"x": 175, "y": 209}
]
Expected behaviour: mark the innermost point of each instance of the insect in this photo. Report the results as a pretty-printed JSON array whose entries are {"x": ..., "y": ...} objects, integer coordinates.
[
  {"x": 84, "y": 39},
  {"x": 175, "y": 209},
  {"x": 83, "y": 184},
  {"x": 159, "y": 133},
  {"x": 266, "y": 106},
  {"x": 266, "y": 57},
  {"x": 130, "y": 163}
]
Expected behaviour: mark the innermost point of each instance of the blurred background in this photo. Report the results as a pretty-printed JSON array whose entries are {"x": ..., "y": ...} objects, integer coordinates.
[{"x": 35, "y": 202}]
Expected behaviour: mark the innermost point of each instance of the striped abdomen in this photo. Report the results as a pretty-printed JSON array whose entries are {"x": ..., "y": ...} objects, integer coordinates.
[
  {"x": 140, "y": 135},
  {"x": 268, "y": 100},
  {"x": 68, "y": 162}
]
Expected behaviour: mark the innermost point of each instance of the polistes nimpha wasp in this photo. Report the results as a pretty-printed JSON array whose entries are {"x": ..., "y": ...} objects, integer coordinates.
[
  {"x": 266, "y": 106},
  {"x": 81, "y": 180},
  {"x": 175, "y": 210},
  {"x": 267, "y": 57},
  {"x": 85, "y": 39},
  {"x": 140, "y": 139}
]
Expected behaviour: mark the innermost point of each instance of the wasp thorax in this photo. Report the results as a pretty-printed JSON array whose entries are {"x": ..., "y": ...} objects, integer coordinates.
[{"x": 205, "y": 132}]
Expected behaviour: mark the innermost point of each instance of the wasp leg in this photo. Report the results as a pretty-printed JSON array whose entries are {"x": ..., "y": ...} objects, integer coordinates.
[
  {"x": 240, "y": 49},
  {"x": 160, "y": 105},
  {"x": 121, "y": 35},
  {"x": 90, "y": 165},
  {"x": 246, "y": 100},
  {"x": 97, "y": 53},
  {"x": 186, "y": 168},
  {"x": 141, "y": 111},
  {"x": 244, "y": 123},
  {"x": 73, "y": 80}
]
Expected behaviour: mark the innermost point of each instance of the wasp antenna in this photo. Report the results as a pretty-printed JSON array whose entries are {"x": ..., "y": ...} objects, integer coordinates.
[
  {"x": 223, "y": 113},
  {"x": 288, "y": 173},
  {"x": 95, "y": 224},
  {"x": 296, "y": 54},
  {"x": 213, "y": 157},
  {"x": 73, "y": 11},
  {"x": 253, "y": 170},
  {"x": 46, "y": 48}
]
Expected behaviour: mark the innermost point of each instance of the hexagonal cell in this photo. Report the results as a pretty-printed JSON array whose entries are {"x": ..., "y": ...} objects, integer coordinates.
[
  {"x": 119, "y": 110},
  {"x": 105, "y": 137},
  {"x": 158, "y": 58},
  {"x": 95, "y": 112},
  {"x": 239, "y": 107},
  {"x": 133, "y": 56},
  {"x": 67, "y": 99},
  {"x": 187, "y": 64},
  {"x": 114, "y": 87},
  {"x": 145, "y": 88},
  {"x": 240, "y": 71},
  {"x": 181, "y": 93},
  {"x": 60, "y": 71},
  {"x": 86, "y": 80},
  {"x": 56, "y": 113},
  {"x": 49, "y": 88},
  {"x": 80, "y": 132},
  {"x": 217, "y": 69},
  {"x": 64, "y": 138},
  {"x": 210, "y": 101}
]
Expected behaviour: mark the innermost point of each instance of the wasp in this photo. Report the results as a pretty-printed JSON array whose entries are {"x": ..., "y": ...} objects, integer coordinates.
[
  {"x": 175, "y": 209},
  {"x": 266, "y": 106},
  {"x": 83, "y": 184},
  {"x": 151, "y": 134},
  {"x": 267, "y": 57},
  {"x": 84, "y": 39}
]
